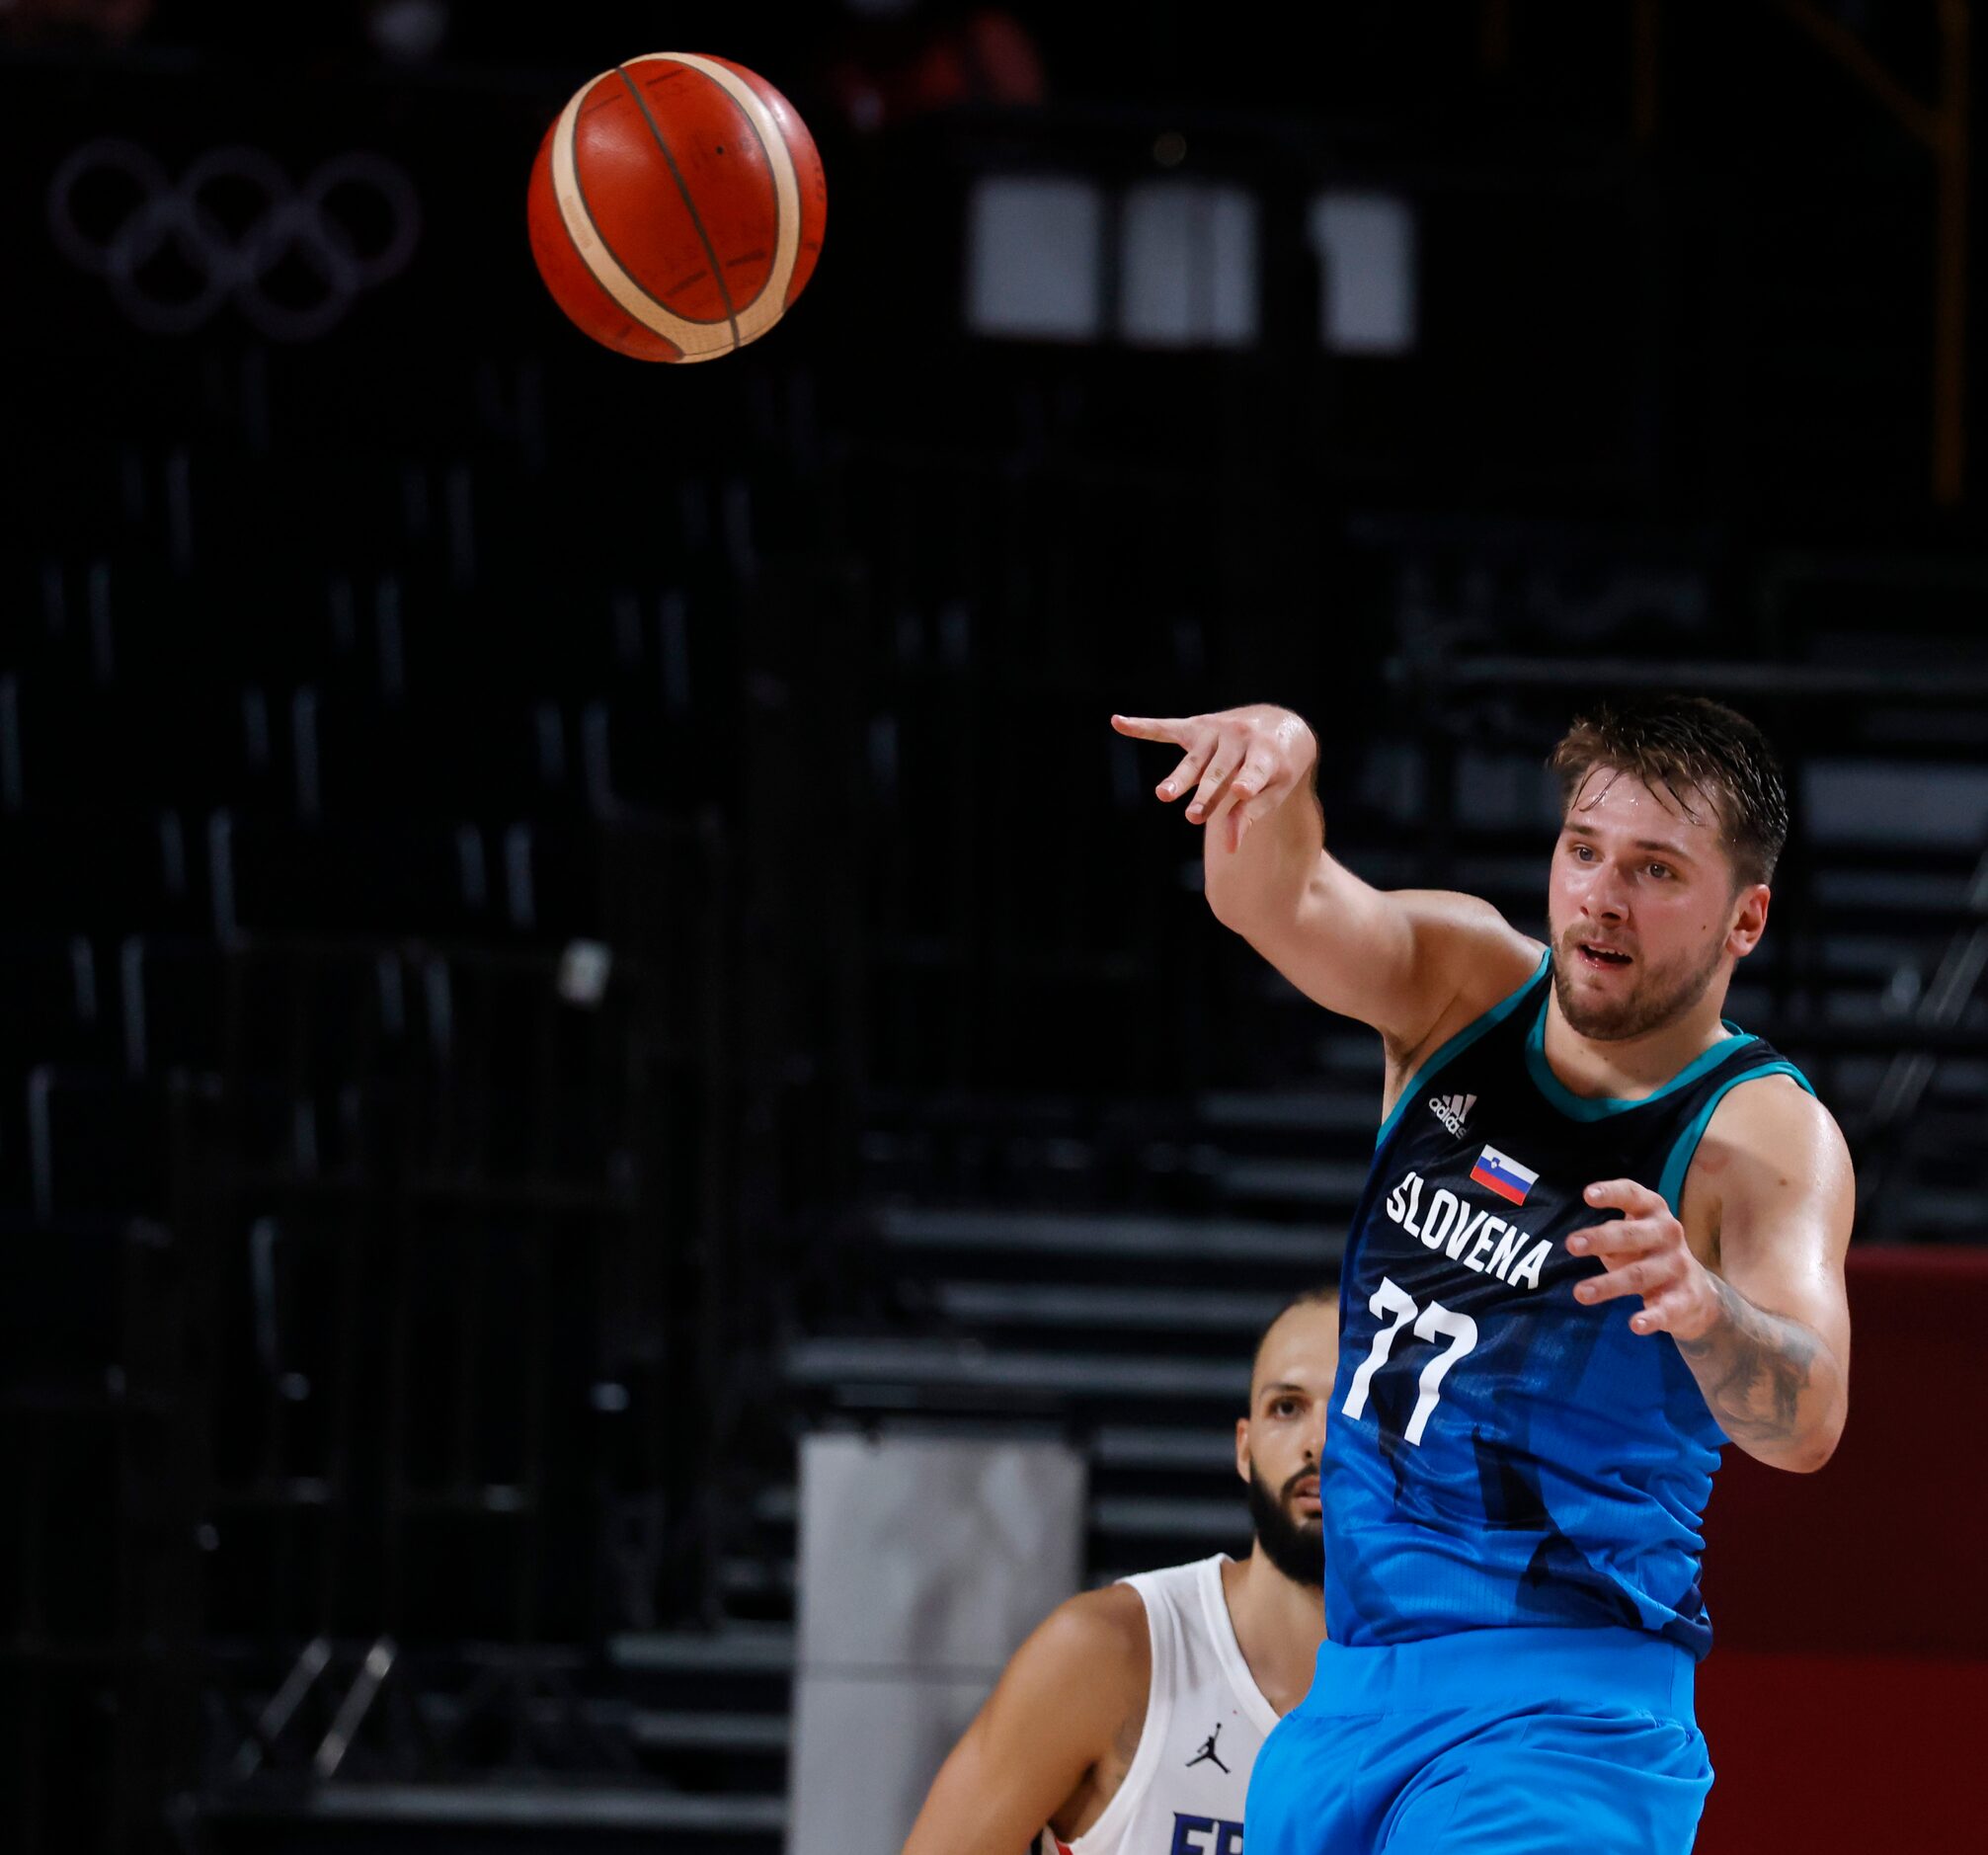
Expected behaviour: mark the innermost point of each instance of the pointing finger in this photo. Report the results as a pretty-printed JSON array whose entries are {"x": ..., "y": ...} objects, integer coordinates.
[{"x": 1152, "y": 728}]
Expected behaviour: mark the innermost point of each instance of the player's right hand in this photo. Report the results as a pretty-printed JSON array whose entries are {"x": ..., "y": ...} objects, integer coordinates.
[{"x": 1242, "y": 763}]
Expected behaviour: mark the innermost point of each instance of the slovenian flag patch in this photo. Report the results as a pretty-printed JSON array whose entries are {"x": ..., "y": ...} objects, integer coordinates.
[{"x": 1504, "y": 1175}]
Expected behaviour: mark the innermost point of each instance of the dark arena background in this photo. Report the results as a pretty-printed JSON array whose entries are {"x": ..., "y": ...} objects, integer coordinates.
[{"x": 574, "y": 931}]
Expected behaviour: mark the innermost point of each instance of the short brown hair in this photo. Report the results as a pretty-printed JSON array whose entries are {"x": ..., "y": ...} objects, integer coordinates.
[{"x": 1692, "y": 747}]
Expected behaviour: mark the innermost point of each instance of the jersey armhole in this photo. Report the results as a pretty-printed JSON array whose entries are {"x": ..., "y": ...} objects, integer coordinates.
[
  {"x": 1462, "y": 1041},
  {"x": 1125, "y": 1800},
  {"x": 1670, "y": 1182},
  {"x": 1221, "y": 1627}
]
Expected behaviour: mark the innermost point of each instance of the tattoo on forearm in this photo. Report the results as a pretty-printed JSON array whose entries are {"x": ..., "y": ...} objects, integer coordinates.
[{"x": 1754, "y": 1367}]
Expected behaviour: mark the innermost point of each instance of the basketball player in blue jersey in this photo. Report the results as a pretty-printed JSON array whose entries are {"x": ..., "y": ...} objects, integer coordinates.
[
  {"x": 1129, "y": 1721},
  {"x": 1603, "y": 1236}
]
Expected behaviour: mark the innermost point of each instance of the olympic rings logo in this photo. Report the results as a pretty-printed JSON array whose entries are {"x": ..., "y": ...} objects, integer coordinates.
[{"x": 233, "y": 228}]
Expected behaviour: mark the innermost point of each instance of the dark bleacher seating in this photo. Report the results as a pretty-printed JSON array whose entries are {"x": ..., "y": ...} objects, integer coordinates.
[
  {"x": 394, "y": 878},
  {"x": 636, "y": 754},
  {"x": 467, "y": 750},
  {"x": 103, "y": 872},
  {"x": 75, "y": 1291},
  {"x": 97, "y": 1143},
  {"x": 79, "y": 743},
  {"x": 170, "y": 992},
  {"x": 556, "y": 883},
  {"x": 59, "y": 1000},
  {"x": 267, "y": 618},
  {"x": 520, "y": 1082}
]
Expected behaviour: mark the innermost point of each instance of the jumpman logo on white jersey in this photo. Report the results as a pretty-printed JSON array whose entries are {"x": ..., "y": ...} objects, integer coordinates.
[{"x": 1207, "y": 1754}]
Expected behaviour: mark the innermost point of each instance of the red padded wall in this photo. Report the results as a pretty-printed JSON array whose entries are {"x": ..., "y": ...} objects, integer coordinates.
[
  {"x": 1848, "y": 1684},
  {"x": 1842, "y": 1754}
]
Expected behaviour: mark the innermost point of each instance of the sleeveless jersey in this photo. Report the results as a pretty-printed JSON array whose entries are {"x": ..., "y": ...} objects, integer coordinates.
[
  {"x": 1205, "y": 1722},
  {"x": 1498, "y": 1452}
]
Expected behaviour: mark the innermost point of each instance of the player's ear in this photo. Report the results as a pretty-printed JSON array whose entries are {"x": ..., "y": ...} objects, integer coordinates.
[
  {"x": 1749, "y": 919},
  {"x": 1243, "y": 1447}
]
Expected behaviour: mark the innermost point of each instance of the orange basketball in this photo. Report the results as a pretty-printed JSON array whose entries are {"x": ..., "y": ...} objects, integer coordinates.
[{"x": 676, "y": 207}]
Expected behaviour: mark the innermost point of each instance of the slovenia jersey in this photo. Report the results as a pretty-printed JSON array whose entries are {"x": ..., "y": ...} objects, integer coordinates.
[{"x": 1497, "y": 1452}]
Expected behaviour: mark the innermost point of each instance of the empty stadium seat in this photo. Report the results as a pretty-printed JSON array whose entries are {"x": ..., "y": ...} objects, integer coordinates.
[
  {"x": 170, "y": 994},
  {"x": 58, "y": 1000},
  {"x": 635, "y": 754},
  {"x": 75, "y": 741},
  {"x": 459, "y": 752},
  {"x": 99, "y": 872},
  {"x": 74, "y": 1294},
  {"x": 400, "y": 879},
  {"x": 97, "y": 1143}
]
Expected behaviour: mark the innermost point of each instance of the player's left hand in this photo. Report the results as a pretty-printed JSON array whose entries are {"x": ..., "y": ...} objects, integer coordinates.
[{"x": 1644, "y": 1253}]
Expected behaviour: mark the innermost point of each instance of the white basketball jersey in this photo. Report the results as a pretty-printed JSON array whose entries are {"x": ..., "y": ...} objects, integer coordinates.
[{"x": 1205, "y": 1722}]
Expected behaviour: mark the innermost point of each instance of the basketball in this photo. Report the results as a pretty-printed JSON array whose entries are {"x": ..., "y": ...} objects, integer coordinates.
[{"x": 677, "y": 208}]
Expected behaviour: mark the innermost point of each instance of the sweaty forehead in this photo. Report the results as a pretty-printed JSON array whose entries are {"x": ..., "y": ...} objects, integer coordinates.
[{"x": 1612, "y": 797}]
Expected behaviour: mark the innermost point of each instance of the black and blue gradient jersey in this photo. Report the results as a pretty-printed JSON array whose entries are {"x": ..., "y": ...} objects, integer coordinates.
[{"x": 1499, "y": 1453}]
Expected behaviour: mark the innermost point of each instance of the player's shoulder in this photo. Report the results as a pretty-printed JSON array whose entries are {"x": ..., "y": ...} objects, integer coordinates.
[
  {"x": 1471, "y": 955},
  {"x": 1772, "y": 1114},
  {"x": 1090, "y": 1659},
  {"x": 1489, "y": 956},
  {"x": 1101, "y": 1629},
  {"x": 1770, "y": 1141},
  {"x": 1470, "y": 919}
]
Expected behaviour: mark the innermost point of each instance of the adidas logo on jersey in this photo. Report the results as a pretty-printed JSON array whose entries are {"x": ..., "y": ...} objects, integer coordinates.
[{"x": 1452, "y": 1111}]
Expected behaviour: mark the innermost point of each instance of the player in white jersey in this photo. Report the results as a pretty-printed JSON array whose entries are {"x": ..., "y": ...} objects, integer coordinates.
[{"x": 1128, "y": 1723}]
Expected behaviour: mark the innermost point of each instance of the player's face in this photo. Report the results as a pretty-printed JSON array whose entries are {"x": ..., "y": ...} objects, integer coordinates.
[
  {"x": 1645, "y": 914},
  {"x": 1279, "y": 1444}
]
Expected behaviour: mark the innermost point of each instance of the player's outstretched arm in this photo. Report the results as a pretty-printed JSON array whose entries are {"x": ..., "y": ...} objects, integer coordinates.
[
  {"x": 1067, "y": 1703},
  {"x": 1397, "y": 962}
]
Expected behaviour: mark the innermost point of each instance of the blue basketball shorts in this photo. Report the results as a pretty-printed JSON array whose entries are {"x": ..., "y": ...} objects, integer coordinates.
[{"x": 1520, "y": 1741}]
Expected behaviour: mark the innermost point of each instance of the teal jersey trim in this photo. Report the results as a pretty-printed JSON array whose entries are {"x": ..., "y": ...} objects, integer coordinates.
[
  {"x": 1670, "y": 1188},
  {"x": 1462, "y": 1040},
  {"x": 1600, "y": 1107}
]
